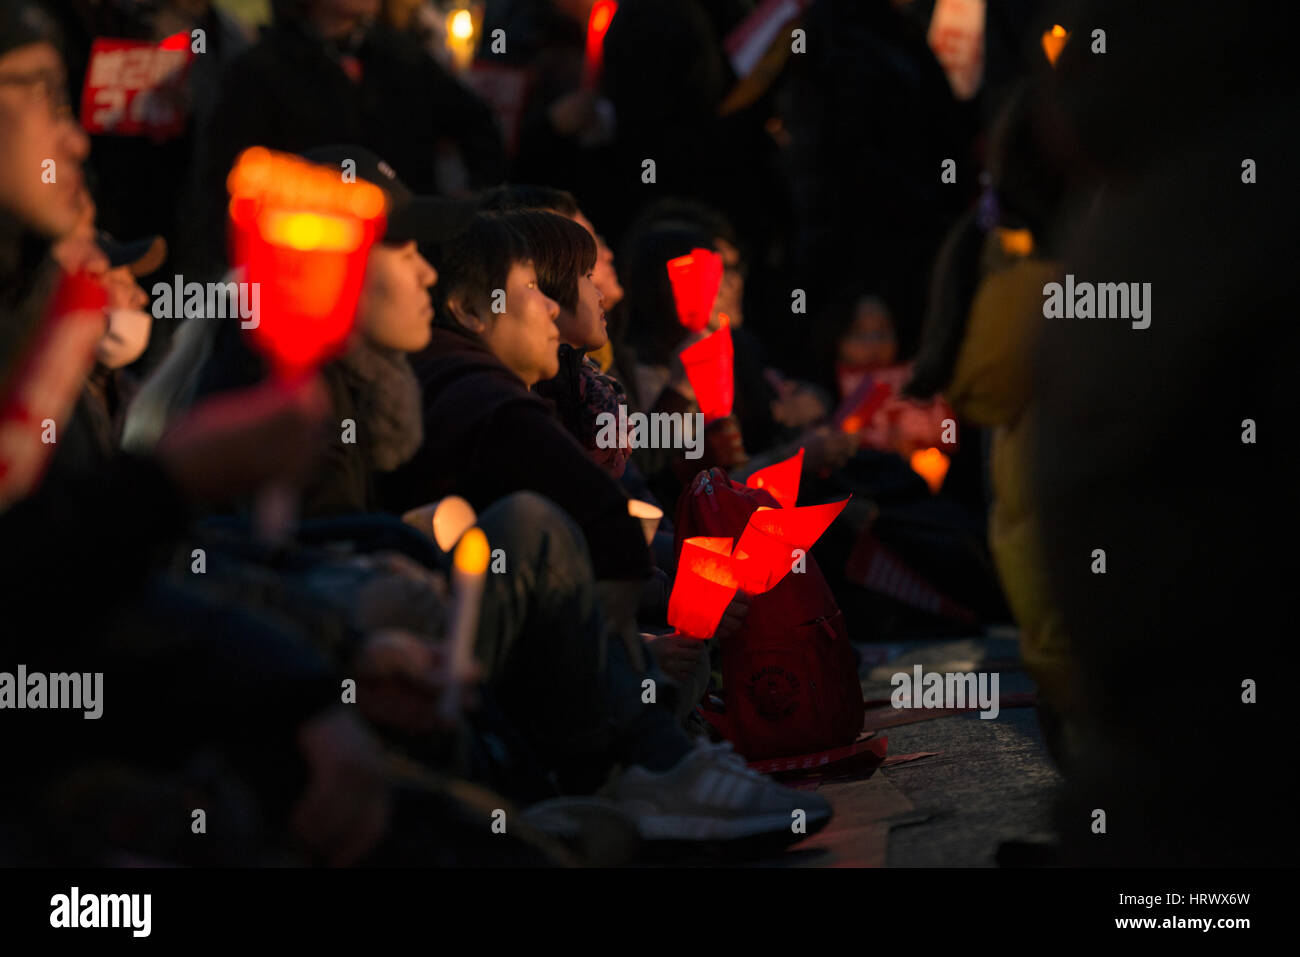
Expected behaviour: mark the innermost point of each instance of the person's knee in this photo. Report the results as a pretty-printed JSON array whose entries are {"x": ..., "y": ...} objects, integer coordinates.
[{"x": 531, "y": 528}]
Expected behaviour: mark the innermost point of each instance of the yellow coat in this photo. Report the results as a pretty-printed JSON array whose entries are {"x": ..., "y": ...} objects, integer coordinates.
[{"x": 992, "y": 385}]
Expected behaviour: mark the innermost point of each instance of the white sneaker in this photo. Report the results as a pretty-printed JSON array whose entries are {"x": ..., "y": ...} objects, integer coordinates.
[{"x": 712, "y": 795}]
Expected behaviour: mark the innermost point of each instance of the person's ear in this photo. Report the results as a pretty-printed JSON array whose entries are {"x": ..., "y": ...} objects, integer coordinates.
[{"x": 466, "y": 314}]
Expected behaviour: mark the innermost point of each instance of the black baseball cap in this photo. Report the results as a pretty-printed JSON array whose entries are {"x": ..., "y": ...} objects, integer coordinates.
[
  {"x": 425, "y": 219},
  {"x": 22, "y": 24}
]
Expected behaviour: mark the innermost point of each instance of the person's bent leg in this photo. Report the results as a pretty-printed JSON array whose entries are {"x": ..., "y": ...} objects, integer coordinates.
[{"x": 543, "y": 642}]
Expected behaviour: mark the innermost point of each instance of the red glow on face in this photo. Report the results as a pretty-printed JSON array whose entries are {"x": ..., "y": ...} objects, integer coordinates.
[
  {"x": 177, "y": 41},
  {"x": 709, "y": 365},
  {"x": 706, "y": 582},
  {"x": 781, "y": 480},
  {"x": 303, "y": 237},
  {"x": 696, "y": 278}
]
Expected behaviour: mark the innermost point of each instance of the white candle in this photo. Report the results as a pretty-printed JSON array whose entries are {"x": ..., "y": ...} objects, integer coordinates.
[
  {"x": 469, "y": 570},
  {"x": 650, "y": 515}
]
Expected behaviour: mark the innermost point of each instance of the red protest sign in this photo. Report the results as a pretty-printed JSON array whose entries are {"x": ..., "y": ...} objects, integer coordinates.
[{"x": 137, "y": 88}]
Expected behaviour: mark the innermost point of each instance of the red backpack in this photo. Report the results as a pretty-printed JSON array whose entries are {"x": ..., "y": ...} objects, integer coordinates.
[{"x": 789, "y": 676}]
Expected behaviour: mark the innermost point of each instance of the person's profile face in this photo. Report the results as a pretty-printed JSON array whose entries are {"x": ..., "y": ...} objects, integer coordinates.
[
  {"x": 584, "y": 327},
  {"x": 604, "y": 275},
  {"x": 525, "y": 337},
  {"x": 394, "y": 310},
  {"x": 40, "y": 165}
]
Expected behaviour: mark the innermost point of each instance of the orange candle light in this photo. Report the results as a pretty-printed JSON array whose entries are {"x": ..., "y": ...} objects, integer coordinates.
[
  {"x": 781, "y": 480},
  {"x": 706, "y": 582},
  {"x": 1054, "y": 42},
  {"x": 469, "y": 569},
  {"x": 931, "y": 465}
]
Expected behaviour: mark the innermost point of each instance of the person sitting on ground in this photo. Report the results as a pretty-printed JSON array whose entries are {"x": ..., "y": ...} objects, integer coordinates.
[
  {"x": 565, "y": 257},
  {"x": 486, "y": 434}
]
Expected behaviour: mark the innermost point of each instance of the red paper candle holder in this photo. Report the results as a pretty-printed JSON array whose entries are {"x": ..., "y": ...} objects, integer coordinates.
[
  {"x": 303, "y": 236},
  {"x": 709, "y": 367},
  {"x": 602, "y": 14},
  {"x": 781, "y": 480},
  {"x": 706, "y": 582},
  {"x": 696, "y": 278},
  {"x": 765, "y": 552}
]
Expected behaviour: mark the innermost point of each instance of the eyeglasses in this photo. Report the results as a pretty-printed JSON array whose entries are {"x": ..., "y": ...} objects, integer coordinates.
[{"x": 53, "y": 90}]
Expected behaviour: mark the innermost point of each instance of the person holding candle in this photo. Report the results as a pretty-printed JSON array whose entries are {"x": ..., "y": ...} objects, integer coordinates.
[
  {"x": 117, "y": 518},
  {"x": 486, "y": 434}
]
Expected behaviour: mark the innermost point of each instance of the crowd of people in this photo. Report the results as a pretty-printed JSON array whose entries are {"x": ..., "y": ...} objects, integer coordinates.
[{"x": 290, "y": 676}]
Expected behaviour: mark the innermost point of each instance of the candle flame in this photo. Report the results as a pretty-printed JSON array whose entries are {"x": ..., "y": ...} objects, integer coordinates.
[
  {"x": 1054, "y": 42},
  {"x": 310, "y": 231},
  {"x": 462, "y": 25},
  {"x": 471, "y": 557}
]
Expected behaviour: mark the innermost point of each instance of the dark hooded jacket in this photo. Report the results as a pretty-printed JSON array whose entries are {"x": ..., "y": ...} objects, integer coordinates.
[{"x": 487, "y": 436}]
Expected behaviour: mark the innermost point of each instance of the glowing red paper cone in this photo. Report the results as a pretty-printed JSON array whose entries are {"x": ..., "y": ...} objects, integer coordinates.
[
  {"x": 696, "y": 278},
  {"x": 706, "y": 582},
  {"x": 781, "y": 480},
  {"x": 303, "y": 236},
  {"x": 708, "y": 365},
  {"x": 602, "y": 12},
  {"x": 766, "y": 548}
]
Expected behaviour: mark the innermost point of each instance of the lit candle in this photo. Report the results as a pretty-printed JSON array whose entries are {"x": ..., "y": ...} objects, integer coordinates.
[
  {"x": 706, "y": 582},
  {"x": 469, "y": 571},
  {"x": 931, "y": 465},
  {"x": 1054, "y": 42},
  {"x": 650, "y": 516},
  {"x": 460, "y": 36}
]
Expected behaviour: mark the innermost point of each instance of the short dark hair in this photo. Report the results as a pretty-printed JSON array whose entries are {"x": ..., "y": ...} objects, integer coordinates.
[
  {"x": 562, "y": 251},
  {"x": 524, "y": 196},
  {"x": 477, "y": 261}
]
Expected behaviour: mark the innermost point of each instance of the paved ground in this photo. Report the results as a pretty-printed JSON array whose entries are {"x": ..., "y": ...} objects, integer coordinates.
[{"x": 991, "y": 782}]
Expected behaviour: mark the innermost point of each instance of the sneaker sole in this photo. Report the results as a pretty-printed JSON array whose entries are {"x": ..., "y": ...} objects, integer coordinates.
[{"x": 687, "y": 828}]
